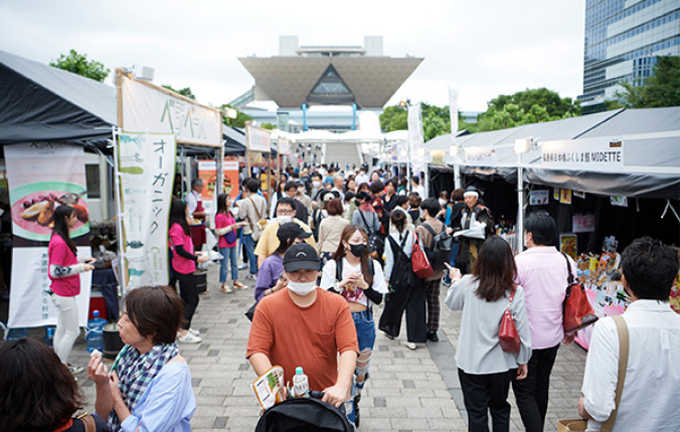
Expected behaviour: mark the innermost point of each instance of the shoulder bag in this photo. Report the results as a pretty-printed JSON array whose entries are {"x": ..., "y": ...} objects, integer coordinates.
[
  {"x": 375, "y": 242},
  {"x": 577, "y": 425},
  {"x": 507, "y": 334},
  {"x": 577, "y": 310},
  {"x": 421, "y": 265}
]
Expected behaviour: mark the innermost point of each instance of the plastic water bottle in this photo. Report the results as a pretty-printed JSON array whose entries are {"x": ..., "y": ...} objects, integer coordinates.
[
  {"x": 49, "y": 335},
  {"x": 300, "y": 383},
  {"x": 95, "y": 334}
]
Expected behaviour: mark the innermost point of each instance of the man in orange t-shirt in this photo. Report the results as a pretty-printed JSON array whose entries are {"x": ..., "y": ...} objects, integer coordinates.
[{"x": 304, "y": 325}]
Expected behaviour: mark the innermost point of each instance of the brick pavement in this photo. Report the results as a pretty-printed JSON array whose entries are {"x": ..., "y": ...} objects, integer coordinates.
[{"x": 407, "y": 391}]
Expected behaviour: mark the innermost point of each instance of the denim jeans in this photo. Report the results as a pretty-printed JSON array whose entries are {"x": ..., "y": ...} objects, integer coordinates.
[
  {"x": 230, "y": 254},
  {"x": 365, "y": 327},
  {"x": 453, "y": 261},
  {"x": 249, "y": 244}
]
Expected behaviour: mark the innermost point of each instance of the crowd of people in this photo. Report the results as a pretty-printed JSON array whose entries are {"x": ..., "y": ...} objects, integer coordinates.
[{"x": 332, "y": 246}]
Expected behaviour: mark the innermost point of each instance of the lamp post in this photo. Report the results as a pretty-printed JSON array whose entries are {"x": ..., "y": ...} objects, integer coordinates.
[{"x": 522, "y": 146}]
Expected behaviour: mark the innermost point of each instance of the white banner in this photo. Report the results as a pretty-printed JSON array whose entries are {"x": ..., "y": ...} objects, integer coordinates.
[
  {"x": 30, "y": 304},
  {"x": 150, "y": 108},
  {"x": 583, "y": 154},
  {"x": 147, "y": 172},
  {"x": 258, "y": 139},
  {"x": 453, "y": 112},
  {"x": 284, "y": 147},
  {"x": 480, "y": 156},
  {"x": 41, "y": 176},
  {"x": 415, "y": 138}
]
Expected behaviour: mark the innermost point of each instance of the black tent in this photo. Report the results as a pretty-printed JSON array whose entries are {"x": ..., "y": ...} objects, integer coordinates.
[{"x": 44, "y": 103}]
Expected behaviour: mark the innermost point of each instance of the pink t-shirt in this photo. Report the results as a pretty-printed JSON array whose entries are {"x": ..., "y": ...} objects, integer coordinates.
[
  {"x": 60, "y": 254},
  {"x": 221, "y": 221},
  {"x": 177, "y": 237},
  {"x": 542, "y": 272}
]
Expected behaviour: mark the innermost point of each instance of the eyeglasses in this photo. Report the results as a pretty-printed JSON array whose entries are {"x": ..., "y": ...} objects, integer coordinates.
[{"x": 284, "y": 211}]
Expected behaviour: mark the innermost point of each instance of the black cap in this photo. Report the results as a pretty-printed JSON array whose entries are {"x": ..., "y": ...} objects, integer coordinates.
[
  {"x": 301, "y": 256},
  {"x": 291, "y": 230}
]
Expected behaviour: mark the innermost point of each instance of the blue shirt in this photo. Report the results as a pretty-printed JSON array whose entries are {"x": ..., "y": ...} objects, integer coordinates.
[{"x": 167, "y": 404}]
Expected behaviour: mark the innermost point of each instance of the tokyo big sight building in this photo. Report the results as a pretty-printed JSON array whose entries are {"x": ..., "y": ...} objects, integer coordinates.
[{"x": 623, "y": 40}]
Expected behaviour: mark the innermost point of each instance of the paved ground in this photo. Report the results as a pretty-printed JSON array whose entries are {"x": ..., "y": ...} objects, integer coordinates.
[{"x": 408, "y": 390}]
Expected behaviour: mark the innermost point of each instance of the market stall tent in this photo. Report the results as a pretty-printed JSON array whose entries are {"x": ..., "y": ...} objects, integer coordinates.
[{"x": 44, "y": 103}]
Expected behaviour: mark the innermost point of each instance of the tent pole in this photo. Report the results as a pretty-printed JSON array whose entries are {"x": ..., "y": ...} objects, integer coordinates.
[{"x": 519, "y": 228}]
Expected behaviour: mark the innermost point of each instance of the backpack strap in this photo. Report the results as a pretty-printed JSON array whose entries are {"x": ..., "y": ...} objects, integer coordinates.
[
  {"x": 429, "y": 228},
  {"x": 370, "y": 231}
]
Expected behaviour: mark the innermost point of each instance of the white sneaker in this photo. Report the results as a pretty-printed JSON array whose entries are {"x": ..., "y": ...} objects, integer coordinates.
[
  {"x": 226, "y": 289},
  {"x": 242, "y": 266},
  {"x": 75, "y": 369},
  {"x": 194, "y": 332},
  {"x": 189, "y": 338},
  {"x": 410, "y": 345}
]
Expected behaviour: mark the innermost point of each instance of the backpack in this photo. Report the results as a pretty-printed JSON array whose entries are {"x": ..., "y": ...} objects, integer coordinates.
[
  {"x": 402, "y": 271},
  {"x": 375, "y": 243},
  {"x": 440, "y": 252}
]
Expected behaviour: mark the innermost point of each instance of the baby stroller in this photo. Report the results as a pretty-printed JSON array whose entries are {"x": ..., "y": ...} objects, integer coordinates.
[{"x": 308, "y": 414}]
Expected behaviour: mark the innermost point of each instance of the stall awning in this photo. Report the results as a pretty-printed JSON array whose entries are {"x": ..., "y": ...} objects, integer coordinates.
[{"x": 44, "y": 103}]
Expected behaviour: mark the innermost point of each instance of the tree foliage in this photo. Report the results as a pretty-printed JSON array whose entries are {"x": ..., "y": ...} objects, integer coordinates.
[
  {"x": 542, "y": 97},
  {"x": 186, "y": 91},
  {"x": 268, "y": 126},
  {"x": 78, "y": 64},
  {"x": 504, "y": 111},
  {"x": 662, "y": 89},
  {"x": 239, "y": 121}
]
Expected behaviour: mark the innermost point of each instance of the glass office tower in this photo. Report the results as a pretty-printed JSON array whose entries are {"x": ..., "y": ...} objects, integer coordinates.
[{"x": 623, "y": 39}]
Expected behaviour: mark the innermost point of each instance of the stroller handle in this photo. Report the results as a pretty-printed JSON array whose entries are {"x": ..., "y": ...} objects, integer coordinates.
[{"x": 316, "y": 394}]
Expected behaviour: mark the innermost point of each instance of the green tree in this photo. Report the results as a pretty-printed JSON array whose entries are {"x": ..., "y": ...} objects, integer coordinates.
[
  {"x": 394, "y": 118},
  {"x": 268, "y": 126},
  {"x": 553, "y": 103},
  {"x": 239, "y": 121},
  {"x": 78, "y": 64},
  {"x": 662, "y": 89},
  {"x": 186, "y": 91}
]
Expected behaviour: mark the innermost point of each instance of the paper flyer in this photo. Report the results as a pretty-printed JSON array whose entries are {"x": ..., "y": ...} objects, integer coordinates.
[{"x": 267, "y": 387}]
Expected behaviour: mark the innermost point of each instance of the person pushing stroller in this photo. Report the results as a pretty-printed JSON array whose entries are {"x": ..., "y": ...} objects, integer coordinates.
[{"x": 311, "y": 327}]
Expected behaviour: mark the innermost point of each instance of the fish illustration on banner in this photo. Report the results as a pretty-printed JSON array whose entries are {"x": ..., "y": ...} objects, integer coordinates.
[{"x": 146, "y": 184}]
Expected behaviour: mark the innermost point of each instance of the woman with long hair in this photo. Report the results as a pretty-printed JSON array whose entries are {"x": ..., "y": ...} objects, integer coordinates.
[
  {"x": 485, "y": 370},
  {"x": 183, "y": 266},
  {"x": 360, "y": 280},
  {"x": 269, "y": 278},
  {"x": 330, "y": 230},
  {"x": 407, "y": 292},
  {"x": 38, "y": 393},
  {"x": 64, "y": 269},
  {"x": 225, "y": 229},
  {"x": 149, "y": 387}
]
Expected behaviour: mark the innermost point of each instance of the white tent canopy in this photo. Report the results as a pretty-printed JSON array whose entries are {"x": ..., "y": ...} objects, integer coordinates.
[{"x": 650, "y": 147}]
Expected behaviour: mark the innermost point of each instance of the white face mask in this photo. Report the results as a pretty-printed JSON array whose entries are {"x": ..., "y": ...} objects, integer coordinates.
[
  {"x": 442, "y": 202},
  {"x": 301, "y": 288},
  {"x": 284, "y": 219},
  {"x": 316, "y": 184}
]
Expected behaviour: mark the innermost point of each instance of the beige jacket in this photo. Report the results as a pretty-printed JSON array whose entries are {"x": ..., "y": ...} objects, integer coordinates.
[
  {"x": 249, "y": 210},
  {"x": 330, "y": 230}
]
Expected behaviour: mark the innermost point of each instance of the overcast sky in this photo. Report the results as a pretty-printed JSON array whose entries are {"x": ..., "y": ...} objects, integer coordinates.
[{"x": 481, "y": 48}]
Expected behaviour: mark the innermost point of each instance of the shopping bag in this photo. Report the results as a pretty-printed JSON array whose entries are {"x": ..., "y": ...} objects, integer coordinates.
[
  {"x": 577, "y": 310},
  {"x": 421, "y": 265},
  {"x": 569, "y": 425}
]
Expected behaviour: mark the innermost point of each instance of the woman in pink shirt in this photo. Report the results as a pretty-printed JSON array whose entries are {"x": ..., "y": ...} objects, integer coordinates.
[
  {"x": 225, "y": 228},
  {"x": 183, "y": 266},
  {"x": 64, "y": 267}
]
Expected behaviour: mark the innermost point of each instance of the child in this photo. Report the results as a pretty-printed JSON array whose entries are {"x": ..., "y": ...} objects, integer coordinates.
[{"x": 225, "y": 228}]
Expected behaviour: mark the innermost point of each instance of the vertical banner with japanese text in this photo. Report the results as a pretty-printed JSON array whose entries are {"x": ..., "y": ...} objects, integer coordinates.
[
  {"x": 146, "y": 172},
  {"x": 42, "y": 176},
  {"x": 416, "y": 141}
]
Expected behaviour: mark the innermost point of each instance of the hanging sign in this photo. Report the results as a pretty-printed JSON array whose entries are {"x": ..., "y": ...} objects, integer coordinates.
[
  {"x": 42, "y": 176},
  {"x": 583, "y": 154},
  {"x": 583, "y": 224},
  {"x": 258, "y": 139},
  {"x": 147, "y": 107},
  {"x": 146, "y": 173},
  {"x": 480, "y": 156}
]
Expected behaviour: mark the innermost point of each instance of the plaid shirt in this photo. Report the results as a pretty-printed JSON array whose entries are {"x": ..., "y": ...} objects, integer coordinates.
[{"x": 135, "y": 373}]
